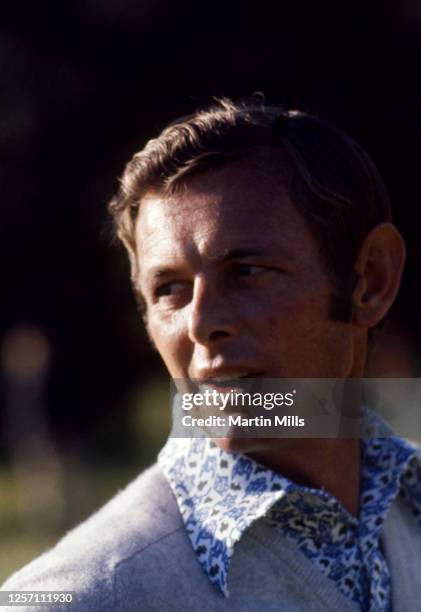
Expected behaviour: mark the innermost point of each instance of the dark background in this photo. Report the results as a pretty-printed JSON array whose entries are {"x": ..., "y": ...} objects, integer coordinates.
[{"x": 84, "y": 85}]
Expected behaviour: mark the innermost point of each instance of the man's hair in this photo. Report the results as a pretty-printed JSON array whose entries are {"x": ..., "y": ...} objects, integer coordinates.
[{"x": 330, "y": 178}]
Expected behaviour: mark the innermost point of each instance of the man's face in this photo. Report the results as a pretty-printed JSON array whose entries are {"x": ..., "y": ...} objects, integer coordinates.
[{"x": 234, "y": 281}]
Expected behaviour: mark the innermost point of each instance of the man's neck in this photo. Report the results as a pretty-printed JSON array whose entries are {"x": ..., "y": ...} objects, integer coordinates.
[{"x": 322, "y": 463}]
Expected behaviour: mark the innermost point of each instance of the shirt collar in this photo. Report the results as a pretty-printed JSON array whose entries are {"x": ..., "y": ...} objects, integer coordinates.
[{"x": 220, "y": 494}]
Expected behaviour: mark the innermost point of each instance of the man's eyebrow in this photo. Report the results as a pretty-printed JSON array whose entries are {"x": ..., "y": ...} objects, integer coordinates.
[
  {"x": 237, "y": 254},
  {"x": 158, "y": 273}
]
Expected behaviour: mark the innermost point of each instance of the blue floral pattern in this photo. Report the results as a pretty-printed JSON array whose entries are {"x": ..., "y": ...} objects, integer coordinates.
[{"x": 221, "y": 494}]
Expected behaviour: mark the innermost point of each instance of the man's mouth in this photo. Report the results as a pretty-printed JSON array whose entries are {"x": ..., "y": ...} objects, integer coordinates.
[{"x": 230, "y": 382}]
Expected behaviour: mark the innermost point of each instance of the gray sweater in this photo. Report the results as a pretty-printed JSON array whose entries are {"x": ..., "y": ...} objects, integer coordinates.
[{"x": 134, "y": 555}]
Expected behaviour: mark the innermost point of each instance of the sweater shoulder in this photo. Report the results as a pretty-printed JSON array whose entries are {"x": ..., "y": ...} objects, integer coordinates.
[{"x": 84, "y": 561}]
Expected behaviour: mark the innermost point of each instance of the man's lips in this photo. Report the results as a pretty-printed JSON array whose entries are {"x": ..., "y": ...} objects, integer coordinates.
[
  {"x": 223, "y": 391},
  {"x": 225, "y": 374},
  {"x": 219, "y": 387},
  {"x": 224, "y": 384}
]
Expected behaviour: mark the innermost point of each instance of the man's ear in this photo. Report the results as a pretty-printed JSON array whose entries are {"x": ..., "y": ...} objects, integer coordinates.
[{"x": 379, "y": 265}]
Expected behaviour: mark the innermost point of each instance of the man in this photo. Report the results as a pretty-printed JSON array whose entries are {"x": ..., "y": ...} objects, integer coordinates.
[{"x": 261, "y": 246}]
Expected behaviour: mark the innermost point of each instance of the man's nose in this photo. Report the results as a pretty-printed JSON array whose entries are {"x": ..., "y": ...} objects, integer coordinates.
[{"x": 211, "y": 317}]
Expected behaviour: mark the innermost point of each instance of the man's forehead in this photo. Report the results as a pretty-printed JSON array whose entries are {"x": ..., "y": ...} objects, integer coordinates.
[
  {"x": 240, "y": 206},
  {"x": 237, "y": 193},
  {"x": 219, "y": 224}
]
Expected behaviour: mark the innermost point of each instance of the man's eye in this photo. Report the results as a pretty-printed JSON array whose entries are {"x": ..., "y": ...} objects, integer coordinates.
[
  {"x": 248, "y": 269},
  {"x": 172, "y": 288}
]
